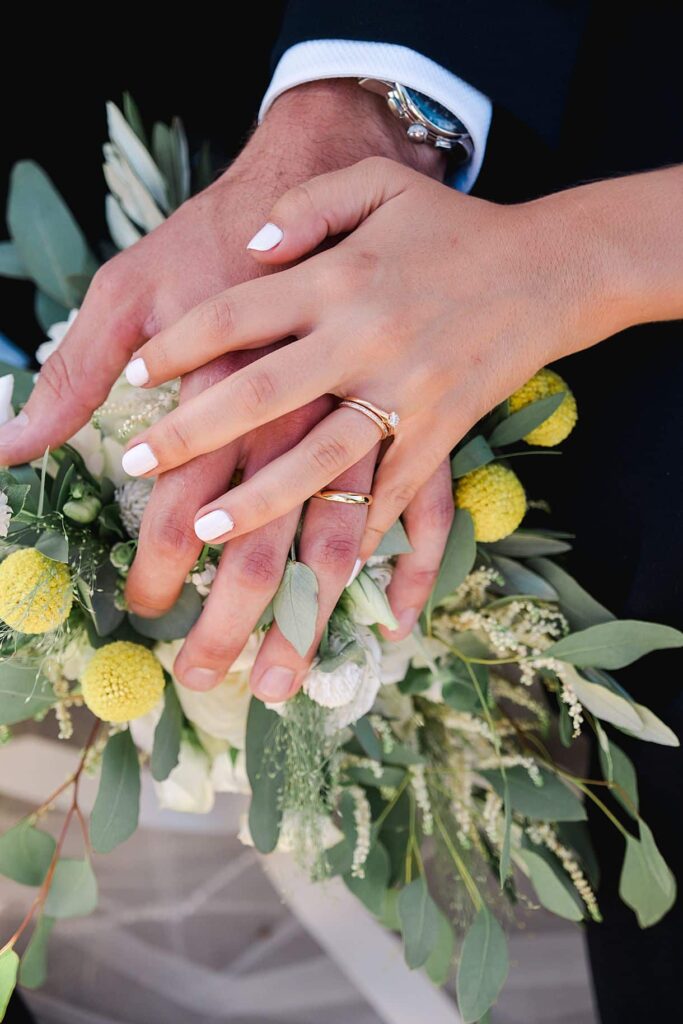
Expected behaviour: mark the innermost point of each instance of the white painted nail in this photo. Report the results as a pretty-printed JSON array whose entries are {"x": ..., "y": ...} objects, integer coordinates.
[
  {"x": 356, "y": 570},
  {"x": 138, "y": 460},
  {"x": 214, "y": 524},
  {"x": 267, "y": 238},
  {"x": 137, "y": 373}
]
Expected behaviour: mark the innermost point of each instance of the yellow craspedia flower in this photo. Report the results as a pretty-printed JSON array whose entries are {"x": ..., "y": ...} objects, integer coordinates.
[
  {"x": 495, "y": 499},
  {"x": 558, "y": 426},
  {"x": 36, "y": 592},
  {"x": 122, "y": 681}
]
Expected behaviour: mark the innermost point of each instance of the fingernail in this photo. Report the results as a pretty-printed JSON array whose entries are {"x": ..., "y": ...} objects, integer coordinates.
[
  {"x": 406, "y": 620},
  {"x": 137, "y": 373},
  {"x": 214, "y": 524},
  {"x": 201, "y": 678},
  {"x": 11, "y": 430},
  {"x": 267, "y": 238},
  {"x": 356, "y": 570},
  {"x": 275, "y": 684},
  {"x": 138, "y": 460}
]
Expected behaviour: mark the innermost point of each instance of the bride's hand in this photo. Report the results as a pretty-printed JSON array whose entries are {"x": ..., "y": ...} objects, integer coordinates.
[{"x": 437, "y": 306}]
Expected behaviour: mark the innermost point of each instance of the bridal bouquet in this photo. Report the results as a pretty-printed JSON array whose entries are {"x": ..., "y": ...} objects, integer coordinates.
[{"x": 421, "y": 772}]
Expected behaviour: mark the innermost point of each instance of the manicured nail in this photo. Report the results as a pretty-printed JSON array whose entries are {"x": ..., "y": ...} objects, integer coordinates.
[
  {"x": 214, "y": 524},
  {"x": 275, "y": 684},
  {"x": 356, "y": 570},
  {"x": 201, "y": 678},
  {"x": 137, "y": 373},
  {"x": 10, "y": 431},
  {"x": 138, "y": 460},
  {"x": 267, "y": 238}
]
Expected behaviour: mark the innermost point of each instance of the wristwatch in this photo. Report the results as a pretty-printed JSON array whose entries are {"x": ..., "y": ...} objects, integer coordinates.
[{"x": 426, "y": 120}]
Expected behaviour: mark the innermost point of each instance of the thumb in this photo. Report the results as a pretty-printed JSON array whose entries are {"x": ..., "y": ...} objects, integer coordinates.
[{"x": 325, "y": 206}]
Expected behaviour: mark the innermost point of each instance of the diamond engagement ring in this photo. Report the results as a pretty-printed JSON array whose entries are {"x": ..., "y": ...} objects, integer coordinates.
[{"x": 386, "y": 421}]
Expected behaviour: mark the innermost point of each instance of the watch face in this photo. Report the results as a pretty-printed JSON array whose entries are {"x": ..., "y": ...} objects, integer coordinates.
[{"x": 434, "y": 112}]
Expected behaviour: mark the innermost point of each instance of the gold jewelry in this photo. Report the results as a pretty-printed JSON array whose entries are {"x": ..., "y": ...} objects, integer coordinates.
[
  {"x": 386, "y": 421},
  {"x": 345, "y": 497}
]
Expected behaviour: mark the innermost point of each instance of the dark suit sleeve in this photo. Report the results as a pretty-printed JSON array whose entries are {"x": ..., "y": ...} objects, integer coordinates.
[{"x": 521, "y": 54}]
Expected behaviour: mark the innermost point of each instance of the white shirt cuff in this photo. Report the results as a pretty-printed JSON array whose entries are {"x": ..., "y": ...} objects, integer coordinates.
[{"x": 343, "y": 58}]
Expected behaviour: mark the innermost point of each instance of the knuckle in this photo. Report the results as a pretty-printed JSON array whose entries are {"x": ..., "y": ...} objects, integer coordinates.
[
  {"x": 439, "y": 512},
  {"x": 328, "y": 454},
  {"x": 171, "y": 536},
  {"x": 399, "y": 496},
  {"x": 423, "y": 578},
  {"x": 254, "y": 392},
  {"x": 216, "y": 316},
  {"x": 261, "y": 568},
  {"x": 58, "y": 377},
  {"x": 112, "y": 281},
  {"x": 176, "y": 439},
  {"x": 335, "y": 551},
  {"x": 212, "y": 649}
]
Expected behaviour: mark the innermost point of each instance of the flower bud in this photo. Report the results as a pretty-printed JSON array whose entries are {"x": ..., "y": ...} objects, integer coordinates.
[
  {"x": 369, "y": 605},
  {"x": 84, "y": 511}
]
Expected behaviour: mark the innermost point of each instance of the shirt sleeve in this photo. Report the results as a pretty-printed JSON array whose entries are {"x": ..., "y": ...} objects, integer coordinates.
[{"x": 343, "y": 58}]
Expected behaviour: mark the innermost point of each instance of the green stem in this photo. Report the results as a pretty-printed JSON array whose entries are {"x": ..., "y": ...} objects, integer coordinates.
[{"x": 470, "y": 884}]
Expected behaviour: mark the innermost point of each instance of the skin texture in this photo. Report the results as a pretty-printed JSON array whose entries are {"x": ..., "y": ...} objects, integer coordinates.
[{"x": 197, "y": 253}]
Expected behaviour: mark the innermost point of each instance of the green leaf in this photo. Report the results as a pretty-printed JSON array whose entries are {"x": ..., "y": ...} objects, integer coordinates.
[
  {"x": 553, "y": 893},
  {"x": 400, "y": 754},
  {"x": 295, "y": 606},
  {"x": 471, "y": 456},
  {"x": 395, "y": 834},
  {"x": 388, "y": 776},
  {"x": 265, "y": 769},
  {"x": 579, "y": 607},
  {"x": 49, "y": 312},
  {"x": 371, "y": 888},
  {"x": 24, "y": 693},
  {"x": 54, "y": 545},
  {"x": 26, "y": 853},
  {"x": 131, "y": 112},
  {"x": 389, "y": 918},
  {"x": 653, "y": 729},
  {"x": 368, "y": 738},
  {"x": 114, "y": 817},
  {"x": 527, "y": 543},
  {"x": 101, "y": 602},
  {"x": 614, "y": 644},
  {"x": 33, "y": 970},
  {"x": 439, "y": 962},
  {"x": 603, "y": 703},
  {"x": 174, "y": 625},
  {"x": 419, "y": 917},
  {"x": 646, "y": 885},
  {"x": 575, "y": 834},
  {"x": 483, "y": 967},
  {"x": 459, "y": 692},
  {"x": 618, "y": 768},
  {"x": 504, "y": 863},
  {"x": 457, "y": 560},
  {"x": 9, "y": 965},
  {"x": 73, "y": 892},
  {"x": 520, "y": 580},
  {"x": 394, "y": 542},
  {"x": 167, "y": 736},
  {"x": 519, "y": 424},
  {"x": 49, "y": 242},
  {"x": 552, "y": 801},
  {"x": 10, "y": 261}
]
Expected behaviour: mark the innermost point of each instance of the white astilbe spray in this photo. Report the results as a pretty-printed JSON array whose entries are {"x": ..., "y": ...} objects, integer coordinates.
[
  {"x": 567, "y": 692},
  {"x": 383, "y": 730},
  {"x": 545, "y": 835},
  {"x": 513, "y": 761},
  {"x": 419, "y": 786},
  {"x": 362, "y": 818},
  {"x": 491, "y": 818}
]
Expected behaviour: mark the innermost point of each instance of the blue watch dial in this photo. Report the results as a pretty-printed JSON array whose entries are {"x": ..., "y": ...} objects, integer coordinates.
[{"x": 434, "y": 112}]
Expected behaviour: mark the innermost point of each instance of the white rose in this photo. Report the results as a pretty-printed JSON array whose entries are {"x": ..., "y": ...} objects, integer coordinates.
[
  {"x": 188, "y": 788},
  {"x": 102, "y": 455},
  {"x": 350, "y": 690},
  {"x": 142, "y": 729},
  {"x": 228, "y": 776}
]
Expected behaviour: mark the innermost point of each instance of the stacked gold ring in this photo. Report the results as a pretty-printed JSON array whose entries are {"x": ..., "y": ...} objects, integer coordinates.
[
  {"x": 387, "y": 422},
  {"x": 345, "y": 497}
]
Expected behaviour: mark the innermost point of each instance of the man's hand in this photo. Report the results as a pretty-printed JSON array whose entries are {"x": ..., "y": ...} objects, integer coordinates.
[{"x": 197, "y": 253}]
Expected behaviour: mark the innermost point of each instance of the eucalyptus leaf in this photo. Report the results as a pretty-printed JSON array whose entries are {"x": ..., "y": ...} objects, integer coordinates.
[
  {"x": 175, "y": 624},
  {"x": 419, "y": 917},
  {"x": 370, "y": 889},
  {"x": 395, "y": 835},
  {"x": 167, "y": 736},
  {"x": 295, "y": 606},
  {"x": 48, "y": 240},
  {"x": 73, "y": 892},
  {"x": 102, "y": 601},
  {"x": 25, "y": 474},
  {"x": 459, "y": 691},
  {"x": 26, "y": 853},
  {"x": 603, "y": 703},
  {"x": 518, "y": 424},
  {"x": 440, "y": 960},
  {"x": 554, "y": 894},
  {"x": 618, "y": 769},
  {"x": 54, "y": 545},
  {"x": 368, "y": 738},
  {"x": 576, "y": 835},
  {"x": 528, "y": 543},
  {"x": 457, "y": 560},
  {"x": 48, "y": 311},
  {"x": 11, "y": 264},
  {"x": 483, "y": 967},
  {"x": 646, "y": 885},
  {"x": 614, "y": 644},
  {"x": 477, "y": 452},
  {"x": 115, "y": 815},
  {"x": 551, "y": 801},
  {"x": 387, "y": 776},
  {"x": 580, "y": 609},
  {"x": 401, "y": 754},
  {"x": 652, "y": 728},
  {"x": 24, "y": 693},
  {"x": 137, "y": 156},
  {"x": 265, "y": 769},
  {"x": 131, "y": 112},
  {"x": 9, "y": 966},
  {"x": 394, "y": 542},
  {"x": 33, "y": 969},
  {"x": 521, "y": 580},
  {"x": 505, "y": 854}
]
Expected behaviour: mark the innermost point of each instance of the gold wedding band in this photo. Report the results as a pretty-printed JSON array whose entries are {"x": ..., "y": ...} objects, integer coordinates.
[
  {"x": 345, "y": 497},
  {"x": 386, "y": 421}
]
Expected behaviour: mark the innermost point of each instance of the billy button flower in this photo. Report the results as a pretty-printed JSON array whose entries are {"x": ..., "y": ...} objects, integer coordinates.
[
  {"x": 36, "y": 593},
  {"x": 122, "y": 681},
  {"x": 560, "y": 424},
  {"x": 495, "y": 499}
]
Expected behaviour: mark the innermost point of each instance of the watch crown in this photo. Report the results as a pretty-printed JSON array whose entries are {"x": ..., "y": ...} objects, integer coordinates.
[{"x": 417, "y": 133}]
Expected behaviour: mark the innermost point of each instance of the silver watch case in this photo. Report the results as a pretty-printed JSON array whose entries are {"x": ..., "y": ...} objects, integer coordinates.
[{"x": 419, "y": 128}]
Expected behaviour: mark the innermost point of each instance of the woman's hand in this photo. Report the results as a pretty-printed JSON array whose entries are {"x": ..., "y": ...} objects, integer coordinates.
[{"x": 437, "y": 306}]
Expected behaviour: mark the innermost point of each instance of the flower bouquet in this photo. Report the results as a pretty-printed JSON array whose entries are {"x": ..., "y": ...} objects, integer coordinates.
[{"x": 420, "y": 772}]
